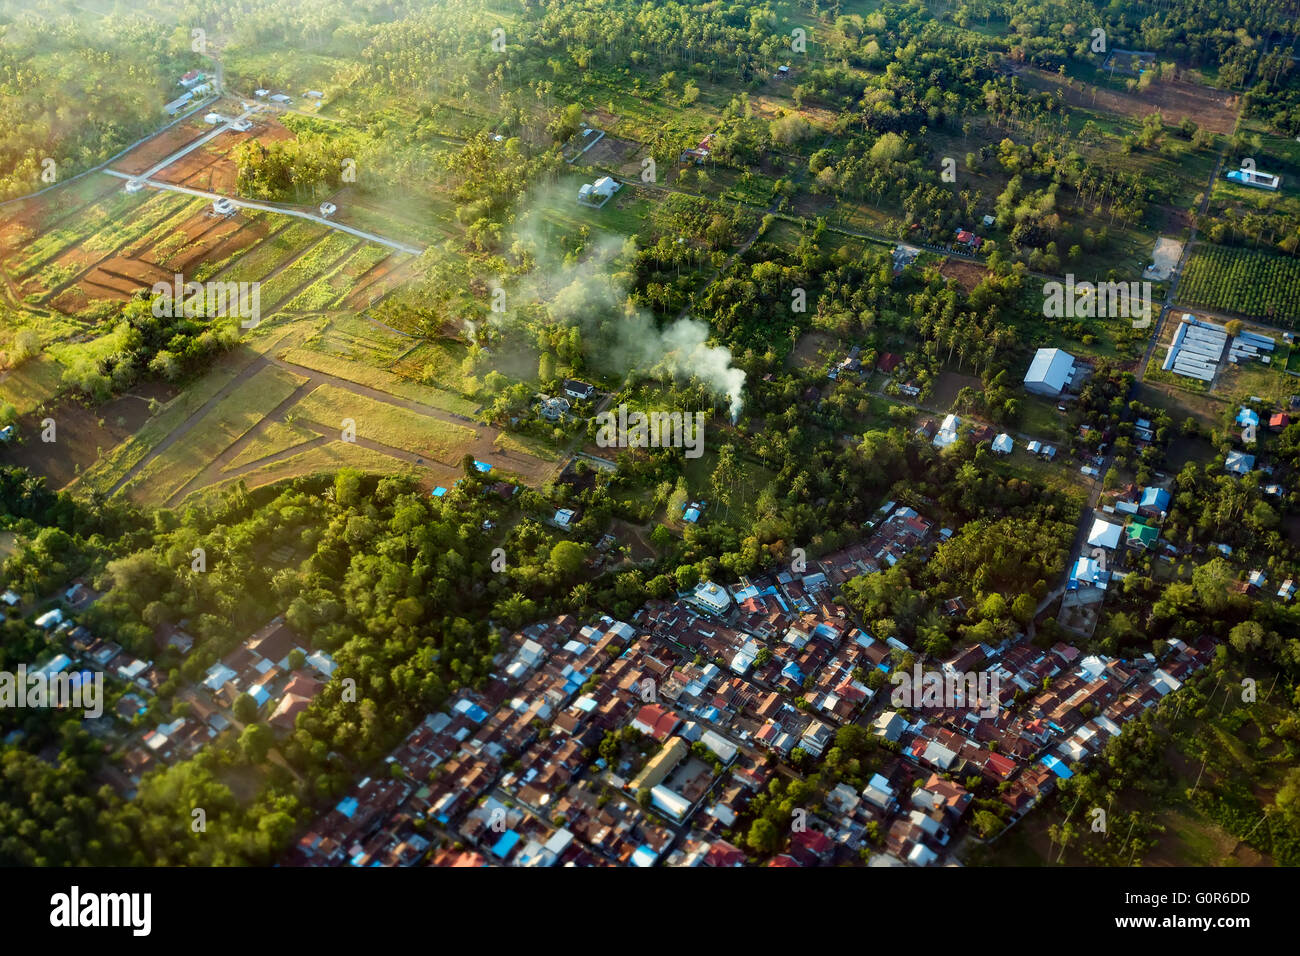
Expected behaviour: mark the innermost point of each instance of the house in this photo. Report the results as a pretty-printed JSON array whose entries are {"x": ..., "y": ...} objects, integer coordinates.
[
  {"x": 888, "y": 361},
  {"x": 1239, "y": 463},
  {"x": 280, "y": 98},
  {"x": 968, "y": 239},
  {"x": 1279, "y": 421},
  {"x": 1104, "y": 534},
  {"x": 553, "y": 409},
  {"x": 1141, "y": 535},
  {"x": 579, "y": 390},
  {"x": 563, "y": 517},
  {"x": 598, "y": 193},
  {"x": 1287, "y": 591},
  {"x": 1087, "y": 572},
  {"x": 711, "y": 597},
  {"x": 988, "y": 221},
  {"x": 692, "y": 512},
  {"x": 1254, "y": 177},
  {"x": 1050, "y": 372},
  {"x": 1248, "y": 417},
  {"x": 178, "y": 104},
  {"x": 191, "y": 78},
  {"x": 1003, "y": 444},
  {"x": 947, "y": 433},
  {"x": 1154, "y": 502}
]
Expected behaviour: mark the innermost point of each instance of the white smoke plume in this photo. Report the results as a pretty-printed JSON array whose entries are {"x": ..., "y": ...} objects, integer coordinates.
[{"x": 593, "y": 295}]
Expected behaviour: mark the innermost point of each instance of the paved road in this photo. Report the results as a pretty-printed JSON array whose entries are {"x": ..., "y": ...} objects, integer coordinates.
[
  {"x": 203, "y": 140},
  {"x": 283, "y": 210}
]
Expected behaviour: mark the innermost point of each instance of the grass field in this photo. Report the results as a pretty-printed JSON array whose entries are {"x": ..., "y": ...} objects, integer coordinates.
[
  {"x": 272, "y": 438},
  {"x": 380, "y": 379},
  {"x": 390, "y": 425}
]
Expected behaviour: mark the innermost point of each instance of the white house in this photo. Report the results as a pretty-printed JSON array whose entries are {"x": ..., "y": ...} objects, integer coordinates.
[
  {"x": 599, "y": 192},
  {"x": 1104, "y": 534},
  {"x": 947, "y": 433},
  {"x": 1049, "y": 372}
]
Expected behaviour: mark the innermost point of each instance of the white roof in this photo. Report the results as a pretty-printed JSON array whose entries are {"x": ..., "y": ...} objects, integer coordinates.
[
  {"x": 1050, "y": 367},
  {"x": 1104, "y": 534}
]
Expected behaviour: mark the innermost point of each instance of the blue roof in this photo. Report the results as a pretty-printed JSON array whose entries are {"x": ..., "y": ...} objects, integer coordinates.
[
  {"x": 1155, "y": 498},
  {"x": 347, "y": 806},
  {"x": 483, "y": 466},
  {"x": 1057, "y": 767},
  {"x": 507, "y": 843},
  {"x": 439, "y": 491},
  {"x": 1247, "y": 416},
  {"x": 692, "y": 515},
  {"x": 883, "y": 667},
  {"x": 476, "y": 713},
  {"x": 792, "y": 670}
]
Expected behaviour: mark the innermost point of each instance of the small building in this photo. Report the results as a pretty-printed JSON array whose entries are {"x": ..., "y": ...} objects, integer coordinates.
[
  {"x": 579, "y": 390},
  {"x": 178, "y": 104},
  {"x": 1287, "y": 591},
  {"x": 598, "y": 193},
  {"x": 712, "y": 597},
  {"x": 553, "y": 409},
  {"x": 1003, "y": 444},
  {"x": 1254, "y": 177},
  {"x": 1239, "y": 463},
  {"x": 947, "y": 433},
  {"x": 328, "y": 209},
  {"x": 1142, "y": 535},
  {"x": 1050, "y": 372},
  {"x": 223, "y": 207},
  {"x": 564, "y": 517},
  {"x": 1154, "y": 502},
  {"x": 7, "y": 434}
]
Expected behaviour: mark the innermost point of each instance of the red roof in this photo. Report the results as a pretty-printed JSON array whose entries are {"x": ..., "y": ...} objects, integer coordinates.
[
  {"x": 783, "y": 860},
  {"x": 723, "y": 853},
  {"x": 1002, "y": 766},
  {"x": 813, "y": 840},
  {"x": 1280, "y": 420},
  {"x": 656, "y": 721}
]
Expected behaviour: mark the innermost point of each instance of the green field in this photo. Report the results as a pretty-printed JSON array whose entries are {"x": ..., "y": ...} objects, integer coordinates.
[
  {"x": 1246, "y": 281},
  {"x": 390, "y": 425}
]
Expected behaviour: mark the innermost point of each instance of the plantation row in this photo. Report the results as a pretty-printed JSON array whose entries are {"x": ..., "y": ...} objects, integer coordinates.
[{"x": 1247, "y": 281}]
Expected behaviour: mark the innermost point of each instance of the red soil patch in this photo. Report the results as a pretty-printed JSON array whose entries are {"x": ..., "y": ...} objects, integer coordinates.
[{"x": 967, "y": 274}]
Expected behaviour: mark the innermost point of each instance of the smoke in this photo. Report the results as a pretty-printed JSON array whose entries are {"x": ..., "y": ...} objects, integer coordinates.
[{"x": 619, "y": 336}]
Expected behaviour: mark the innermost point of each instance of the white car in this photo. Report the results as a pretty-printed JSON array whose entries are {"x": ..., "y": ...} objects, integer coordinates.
[
  {"x": 328, "y": 209},
  {"x": 223, "y": 207}
]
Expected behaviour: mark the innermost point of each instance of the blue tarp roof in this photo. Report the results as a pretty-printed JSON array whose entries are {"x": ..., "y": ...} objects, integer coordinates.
[
  {"x": 347, "y": 806},
  {"x": 483, "y": 466},
  {"x": 507, "y": 843},
  {"x": 1057, "y": 767},
  {"x": 439, "y": 491}
]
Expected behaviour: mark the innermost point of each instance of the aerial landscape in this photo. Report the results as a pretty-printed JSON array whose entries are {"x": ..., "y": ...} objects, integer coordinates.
[{"x": 649, "y": 433}]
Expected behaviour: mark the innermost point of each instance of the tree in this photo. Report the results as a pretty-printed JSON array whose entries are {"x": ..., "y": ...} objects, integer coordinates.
[
  {"x": 245, "y": 709},
  {"x": 567, "y": 558},
  {"x": 763, "y": 837},
  {"x": 255, "y": 741}
]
